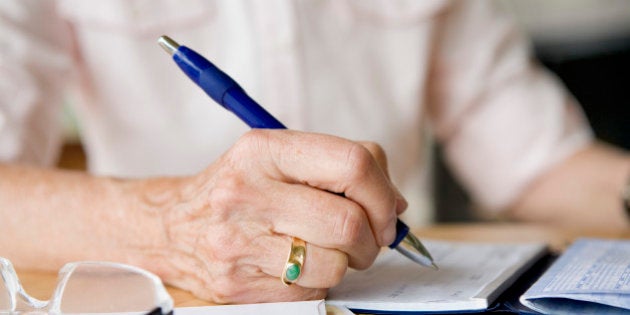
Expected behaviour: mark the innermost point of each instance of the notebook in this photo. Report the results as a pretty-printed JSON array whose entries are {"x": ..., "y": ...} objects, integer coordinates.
[
  {"x": 470, "y": 278},
  {"x": 591, "y": 277}
]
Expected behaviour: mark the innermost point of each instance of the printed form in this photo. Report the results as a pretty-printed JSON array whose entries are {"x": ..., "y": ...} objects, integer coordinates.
[{"x": 591, "y": 270}]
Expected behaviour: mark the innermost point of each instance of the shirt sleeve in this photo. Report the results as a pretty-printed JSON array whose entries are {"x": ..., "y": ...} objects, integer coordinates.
[
  {"x": 502, "y": 119},
  {"x": 35, "y": 63}
]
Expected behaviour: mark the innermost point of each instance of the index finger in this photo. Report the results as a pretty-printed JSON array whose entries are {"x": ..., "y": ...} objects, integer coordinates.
[{"x": 379, "y": 155}]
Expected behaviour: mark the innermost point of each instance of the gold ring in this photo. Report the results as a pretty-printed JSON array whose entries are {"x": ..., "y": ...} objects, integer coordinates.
[{"x": 295, "y": 261}]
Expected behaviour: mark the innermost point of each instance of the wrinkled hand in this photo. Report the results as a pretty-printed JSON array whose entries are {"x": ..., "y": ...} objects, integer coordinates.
[{"x": 229, "y": 228}]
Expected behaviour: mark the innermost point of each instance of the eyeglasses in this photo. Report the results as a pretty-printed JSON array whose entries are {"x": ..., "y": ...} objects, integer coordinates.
[{"x": 89, "y": 287}]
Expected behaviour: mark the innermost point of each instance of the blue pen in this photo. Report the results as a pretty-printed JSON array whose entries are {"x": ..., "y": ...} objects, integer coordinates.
[{"x": 225, "y": 91}]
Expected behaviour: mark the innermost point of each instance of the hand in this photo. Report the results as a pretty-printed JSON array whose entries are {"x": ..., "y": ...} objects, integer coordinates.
[{"x": 229, "y": 229}]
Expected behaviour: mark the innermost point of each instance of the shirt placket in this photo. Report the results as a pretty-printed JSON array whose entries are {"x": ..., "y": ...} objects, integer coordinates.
[{"x": 282, "y": 74}]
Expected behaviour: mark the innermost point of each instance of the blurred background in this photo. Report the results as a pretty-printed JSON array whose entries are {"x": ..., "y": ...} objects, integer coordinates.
[{"x": 586, "y": 43}]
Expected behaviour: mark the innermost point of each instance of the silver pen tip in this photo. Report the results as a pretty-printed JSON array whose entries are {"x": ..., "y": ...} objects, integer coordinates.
[
  {"x": 413, "y": 249},
  {"x": 168, "y": 44},
  {"x": 435, "y": 266}
]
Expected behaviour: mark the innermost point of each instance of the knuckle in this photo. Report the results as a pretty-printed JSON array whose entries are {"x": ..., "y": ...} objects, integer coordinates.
[
  {"x": 358, "y": 160},
  {"x": 378, "y": 154},
  {"x": 250, "y": 137},
  {"x": 315, "y": 294},
  {"x": 227, "y": 193},
  {"x": 228, "y": 272},
  {"x": 368, "y": 260},
  {"x": 229, "y": 247},
  {"x": 225, "y": 291},
  {"x": 252, "y": 142},
  {"x": 375, "y": 149},
  {"x": 336, "y": 271},
  {"x": 351, "y": 225}
]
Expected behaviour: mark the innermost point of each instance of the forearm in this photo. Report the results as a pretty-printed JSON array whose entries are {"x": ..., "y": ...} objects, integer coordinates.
[
  {"x": 50, "y": 217},
  {"x": 223, "y": 233},
  {"x": 583, "y": 192}
]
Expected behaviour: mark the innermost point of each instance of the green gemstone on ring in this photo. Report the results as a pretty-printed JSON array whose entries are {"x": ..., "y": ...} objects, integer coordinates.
[{"x": 293, "y": 272}]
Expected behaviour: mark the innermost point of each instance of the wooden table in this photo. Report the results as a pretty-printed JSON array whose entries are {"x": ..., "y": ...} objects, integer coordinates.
[{"x": 40, "y": 284}]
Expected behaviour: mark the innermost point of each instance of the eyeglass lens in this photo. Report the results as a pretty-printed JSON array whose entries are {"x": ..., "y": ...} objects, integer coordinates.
[
  {"x": 5, "y": 297},
  {"x": 89, "y": 287},
  {"x": 98, "y": 288}
]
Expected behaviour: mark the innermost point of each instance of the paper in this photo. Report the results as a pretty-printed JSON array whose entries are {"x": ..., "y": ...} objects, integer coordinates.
[
  {"x": 471, "y": 276},
  {"x": 591, "y": 270},
  {"x": 302, "y": 307}
]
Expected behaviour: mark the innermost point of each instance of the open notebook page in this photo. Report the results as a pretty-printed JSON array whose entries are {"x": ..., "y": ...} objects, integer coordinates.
[{"x": 471, "y": 276}]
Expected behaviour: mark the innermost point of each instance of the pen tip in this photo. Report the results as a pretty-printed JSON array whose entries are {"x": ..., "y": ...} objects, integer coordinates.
[
  {"x": 435, "y": 266},
  {"x": 168, "y": 44}
]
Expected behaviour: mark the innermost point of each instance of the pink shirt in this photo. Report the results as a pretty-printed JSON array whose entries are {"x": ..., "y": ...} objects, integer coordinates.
[{"x": 388, "y": 71}]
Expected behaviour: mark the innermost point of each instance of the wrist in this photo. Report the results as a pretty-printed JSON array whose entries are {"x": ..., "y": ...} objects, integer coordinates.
[
  {"x": 162, "y": 241},
  {"x": 144, "y": 205}
]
